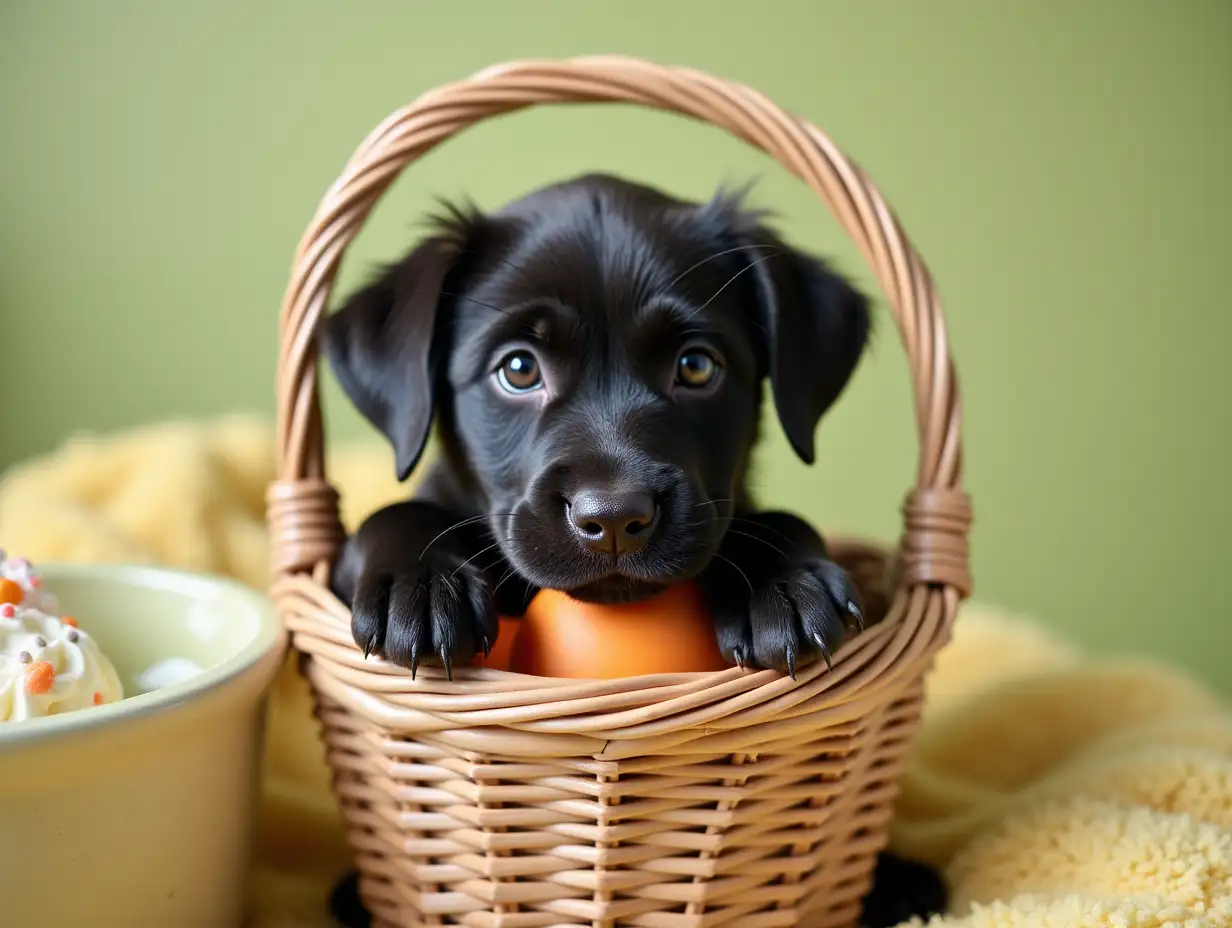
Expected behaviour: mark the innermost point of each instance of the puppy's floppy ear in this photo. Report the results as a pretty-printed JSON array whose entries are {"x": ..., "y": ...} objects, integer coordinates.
[
  {"x": 383, "y": 343},
  {"x": 816, "y": 324}
]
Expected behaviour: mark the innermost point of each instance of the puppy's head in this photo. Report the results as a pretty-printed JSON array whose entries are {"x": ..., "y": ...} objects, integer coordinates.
[{"x": 595, "y": 354}]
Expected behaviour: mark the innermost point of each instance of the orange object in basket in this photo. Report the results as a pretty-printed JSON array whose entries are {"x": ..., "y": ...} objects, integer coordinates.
[
  {"x": 670, "y": 632},
  {"x": 498, "y": 659}
]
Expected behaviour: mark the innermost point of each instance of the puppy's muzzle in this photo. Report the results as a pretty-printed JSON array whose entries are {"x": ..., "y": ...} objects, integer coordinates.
[{"x": 613, "y": 523}]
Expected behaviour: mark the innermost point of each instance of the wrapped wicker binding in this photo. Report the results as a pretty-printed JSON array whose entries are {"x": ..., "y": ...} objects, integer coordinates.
[{"x": 735, "y": 798}]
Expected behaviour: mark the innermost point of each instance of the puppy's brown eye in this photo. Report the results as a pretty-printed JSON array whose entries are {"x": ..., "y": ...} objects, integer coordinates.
[
  {"x": 519, "y": 373},
  {"x": 696, "y": 368}
]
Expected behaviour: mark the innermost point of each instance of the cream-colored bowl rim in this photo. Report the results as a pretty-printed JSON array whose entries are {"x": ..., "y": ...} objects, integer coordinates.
[{"x": 270, "y": 636}]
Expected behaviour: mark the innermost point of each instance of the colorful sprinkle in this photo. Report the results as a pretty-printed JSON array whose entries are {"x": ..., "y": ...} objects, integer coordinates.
[
  {"x": 69, "y": 621},
  {"x": 36, "y": 582},
  {"x": 24, "y": 657},
  {"x": 98, "y": 699},
  {"x": 8, "y": 610},
  {"x": 40, "y": 642},
  {"x": 40, "y": 677},
  {"x": 11, "y": 592},
  {"x": 73, "y": 637}
]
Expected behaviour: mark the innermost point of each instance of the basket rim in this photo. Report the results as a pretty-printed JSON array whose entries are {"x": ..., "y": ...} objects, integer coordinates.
[{"x": 588, "y": 717}]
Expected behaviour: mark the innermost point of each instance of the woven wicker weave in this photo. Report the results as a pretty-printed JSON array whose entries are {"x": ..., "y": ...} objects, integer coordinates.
[{"x": 733, "y": 798}]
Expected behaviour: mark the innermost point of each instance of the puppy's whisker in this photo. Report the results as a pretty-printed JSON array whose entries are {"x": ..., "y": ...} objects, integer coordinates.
[
  {"x": 440, "y": 535},
  {"x": 714, "y": 502},
  {"x": 509, "y": 574},
  {"x": 461, "y": 524},
  {"x": 728, "y": 560},
  {"x": 743, "y": 521},
  {"x": 510, "y": 264},
  {"x": 714, "y": 257},
  {"x": 762, "y": 525},
  {"x": 731, "y": 280},
  {"x": 513, "y": 535},
  {"x": 471, "y": 299},
  {"x": 502, "y": 260},
  {"x": 734, "y": 531},
  {"x": 481, "y": 551}
]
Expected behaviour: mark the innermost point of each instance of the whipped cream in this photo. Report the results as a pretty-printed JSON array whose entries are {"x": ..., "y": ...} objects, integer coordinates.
[
  {"x": 47, "y": 664},
  {"x": 27, "y": 589},
  {"x": 48, "y": 667}
]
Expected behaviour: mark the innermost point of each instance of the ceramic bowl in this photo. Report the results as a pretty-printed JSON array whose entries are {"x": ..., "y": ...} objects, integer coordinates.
[{"x": 141, "y": 812}]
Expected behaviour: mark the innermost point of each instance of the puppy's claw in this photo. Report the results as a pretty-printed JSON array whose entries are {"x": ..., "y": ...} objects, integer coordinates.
[
  {"x": 485, "y": 644},
  {"x": 791, "y": 662},
  {"x": 856, "y": 615},
  {"x": 370, "y": 645},
  {"x": 414, "y": 661},
  {"x": 738, "y": 657},
  {"x": 444, "y": 653},
  {"x": 825, "y": 652}
]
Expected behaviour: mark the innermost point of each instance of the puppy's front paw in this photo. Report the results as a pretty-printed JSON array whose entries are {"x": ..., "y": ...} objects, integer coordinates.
[
  {"x": 435, "y": 611},
  {"x": 791, "y": 618}
]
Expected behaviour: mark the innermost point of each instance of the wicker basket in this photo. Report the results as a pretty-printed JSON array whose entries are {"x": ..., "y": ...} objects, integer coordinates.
[{"x": 734, "y": 798}]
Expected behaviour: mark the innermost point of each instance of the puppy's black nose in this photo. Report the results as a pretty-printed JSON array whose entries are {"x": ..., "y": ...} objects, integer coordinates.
[{"x": 613, "y": 523}]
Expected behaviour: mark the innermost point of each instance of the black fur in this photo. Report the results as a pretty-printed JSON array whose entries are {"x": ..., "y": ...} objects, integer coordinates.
[{"x": 622, "y": 471}]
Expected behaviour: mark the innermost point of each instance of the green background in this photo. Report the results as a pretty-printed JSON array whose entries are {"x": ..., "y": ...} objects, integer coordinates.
[{"x": 1063, "y": 167}]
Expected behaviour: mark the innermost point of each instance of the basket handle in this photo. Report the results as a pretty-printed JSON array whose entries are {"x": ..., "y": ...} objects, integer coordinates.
[{"x": 303, "y": 507}]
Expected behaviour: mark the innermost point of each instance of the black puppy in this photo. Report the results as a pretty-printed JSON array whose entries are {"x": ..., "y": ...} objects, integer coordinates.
[{"x": 594, "y": 356}]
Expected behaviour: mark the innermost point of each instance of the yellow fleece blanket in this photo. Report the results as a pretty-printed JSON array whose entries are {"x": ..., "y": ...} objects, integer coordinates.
[{"x": 1052, "y": 787}]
